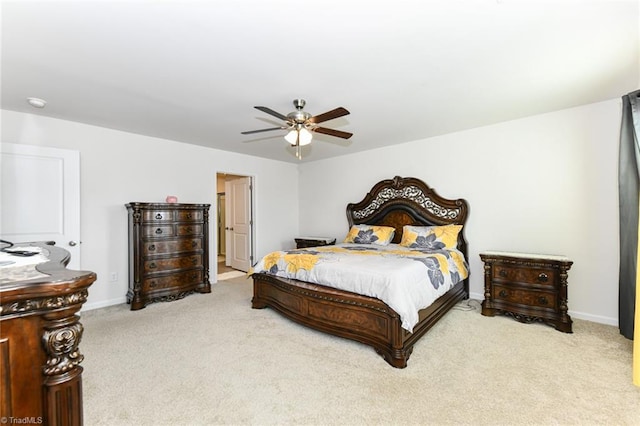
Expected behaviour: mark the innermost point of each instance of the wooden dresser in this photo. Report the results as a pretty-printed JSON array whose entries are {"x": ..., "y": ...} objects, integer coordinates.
[
  {"x": 40, "y": 372},
  {"x": 168, "y": 252},
  {"x": 528, "y": 287}
]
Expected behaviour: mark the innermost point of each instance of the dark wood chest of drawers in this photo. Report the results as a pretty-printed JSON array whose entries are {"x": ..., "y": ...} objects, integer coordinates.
[
  {"x": 168, "y": 252},
  {"x": 527, "y": 287}
]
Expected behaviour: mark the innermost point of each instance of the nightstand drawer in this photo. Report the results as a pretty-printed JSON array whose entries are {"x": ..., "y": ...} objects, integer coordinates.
[
  {"x": 521, "y": 296},
  {"x": 529, "y": 276}
]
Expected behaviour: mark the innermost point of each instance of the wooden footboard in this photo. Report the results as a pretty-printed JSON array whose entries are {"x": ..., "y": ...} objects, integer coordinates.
[{"x": 349, "y": 315}]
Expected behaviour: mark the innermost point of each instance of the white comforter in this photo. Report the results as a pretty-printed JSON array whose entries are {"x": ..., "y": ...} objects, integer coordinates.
[{"x": 405, "y": 279}]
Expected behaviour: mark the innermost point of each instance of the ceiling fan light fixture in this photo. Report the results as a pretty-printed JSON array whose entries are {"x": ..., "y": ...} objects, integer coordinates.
[
  {"x": 291, "y": 136},
  {"x": 305, "y": 136}
]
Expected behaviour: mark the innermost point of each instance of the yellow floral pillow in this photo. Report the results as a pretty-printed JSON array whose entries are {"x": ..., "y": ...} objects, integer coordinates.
[
  {"x": 430, "y": 237},
  {"x": 369, "y": 234}
]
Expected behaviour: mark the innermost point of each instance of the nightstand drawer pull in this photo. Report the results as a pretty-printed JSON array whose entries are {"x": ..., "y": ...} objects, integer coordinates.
[
  {"x": 152, "y": 265},
  {"x": 503, "y": 293},
  {"x": 159, "y": 231},
  {"x": 503, "y": 273},
  {"x": 542, "y": 277},
  {"x": 158, "y": 216},
  {"x": 543, "y": 300},
  {"x": 152, "y": 247}
]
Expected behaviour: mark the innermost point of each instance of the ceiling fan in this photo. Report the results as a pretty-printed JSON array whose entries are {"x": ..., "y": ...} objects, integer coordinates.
[{"x": 300, "y": 124}]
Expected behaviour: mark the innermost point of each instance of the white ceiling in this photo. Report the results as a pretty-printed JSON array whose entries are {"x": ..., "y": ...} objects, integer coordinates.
[{"x": 191, "y": 71}]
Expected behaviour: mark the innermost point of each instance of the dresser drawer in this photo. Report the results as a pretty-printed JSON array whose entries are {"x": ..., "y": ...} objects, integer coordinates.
[
  {"x": 173, "y": 263},
  {"x": 195, "y": 229},
  {"x": 180, "y": 279},
  {"x": 523, "y": 296},
  {"x": 155, "y": 216},
  {"x": 172, "y": 246},
  {"x": 153, "y": 231},
  {"x": 519, "y": 274},
  {"x": 188, "y": 215}
]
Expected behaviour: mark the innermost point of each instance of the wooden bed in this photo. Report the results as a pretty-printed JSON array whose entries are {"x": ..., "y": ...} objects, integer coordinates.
[{"x": 393, "y": 202}]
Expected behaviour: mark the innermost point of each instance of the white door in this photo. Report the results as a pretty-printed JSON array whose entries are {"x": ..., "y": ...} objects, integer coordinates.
[
  {"x": 40, "y": 198},
  {"x": 240, "y": 222}
]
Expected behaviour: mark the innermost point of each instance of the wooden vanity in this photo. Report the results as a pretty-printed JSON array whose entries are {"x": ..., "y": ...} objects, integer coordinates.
[{"x": 40, "y": 331}]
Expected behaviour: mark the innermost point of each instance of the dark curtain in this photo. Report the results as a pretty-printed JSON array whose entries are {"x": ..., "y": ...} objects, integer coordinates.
[{"x": 629, "y": 185}]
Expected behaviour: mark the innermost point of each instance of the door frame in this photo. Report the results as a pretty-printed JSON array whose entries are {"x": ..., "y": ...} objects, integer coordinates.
[{"x": 252, "y": 201}]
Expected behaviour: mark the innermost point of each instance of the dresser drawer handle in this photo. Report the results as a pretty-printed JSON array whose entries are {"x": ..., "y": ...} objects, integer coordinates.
[
  {"x": 194, "y": 244},
  {"x": 543, "y": 277},
  {"x": 158, "y": 216},
  {"x": 194, "y": 260},
  {"x": 543, "y": 300},
  {"x": 503, "y": 273},
  {"x": 152, "y": 247},
  {"x": 502, "y": 293},
  {"x": 188, "y": 215},
  {"x": 159, "y": 231},
  {"x": 153, "y": 265}
]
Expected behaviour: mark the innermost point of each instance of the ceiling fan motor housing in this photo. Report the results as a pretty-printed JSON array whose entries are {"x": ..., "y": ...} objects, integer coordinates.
[{"x": 299, "y": 116}]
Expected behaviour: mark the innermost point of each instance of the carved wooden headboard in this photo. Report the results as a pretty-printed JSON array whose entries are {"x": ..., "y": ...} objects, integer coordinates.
[{"x": 408, "y": 201}]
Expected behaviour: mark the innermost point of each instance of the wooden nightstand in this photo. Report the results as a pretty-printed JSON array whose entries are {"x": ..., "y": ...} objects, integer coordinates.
[
  {"x": 304, "y": 242},
  {"x": 529, "y": 287}
]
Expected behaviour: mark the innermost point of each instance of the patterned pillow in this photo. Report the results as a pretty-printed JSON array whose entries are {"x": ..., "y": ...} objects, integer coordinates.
[
  {"x": 430, "y": 237},
  {"x": 368, "y": 234}
]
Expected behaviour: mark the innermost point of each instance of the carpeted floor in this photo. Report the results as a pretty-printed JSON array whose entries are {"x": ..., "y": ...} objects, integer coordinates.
[{"x": 211, "y": 359}]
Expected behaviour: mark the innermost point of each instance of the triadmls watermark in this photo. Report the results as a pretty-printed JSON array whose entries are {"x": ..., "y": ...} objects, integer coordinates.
[{"x": 27, "y": 420}]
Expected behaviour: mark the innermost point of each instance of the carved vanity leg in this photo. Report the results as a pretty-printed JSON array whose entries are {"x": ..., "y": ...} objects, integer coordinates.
[{"x": 63, "y": 381}]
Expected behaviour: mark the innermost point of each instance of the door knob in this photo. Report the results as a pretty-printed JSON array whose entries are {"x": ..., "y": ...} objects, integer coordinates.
[{"x": 72, "y": 243}]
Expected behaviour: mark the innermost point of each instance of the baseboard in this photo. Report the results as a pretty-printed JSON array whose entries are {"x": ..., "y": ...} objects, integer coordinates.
[
  {"x": 594, "y": 318},
  {"x": 103, "y": 304},
  {"x": 575, "y": 315}
]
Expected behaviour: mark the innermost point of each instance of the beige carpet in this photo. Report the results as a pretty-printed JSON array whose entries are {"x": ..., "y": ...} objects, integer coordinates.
[{"x": 211, "y": 359}]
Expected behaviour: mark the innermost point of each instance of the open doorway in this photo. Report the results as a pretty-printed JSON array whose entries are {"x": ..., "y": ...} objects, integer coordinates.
[{"x": 234, "y": 222}]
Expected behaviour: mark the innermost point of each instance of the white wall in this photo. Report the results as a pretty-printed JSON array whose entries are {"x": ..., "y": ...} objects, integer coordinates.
[
  {"x": 543, "y": 184},
  {"x": 119, "y": 167}
]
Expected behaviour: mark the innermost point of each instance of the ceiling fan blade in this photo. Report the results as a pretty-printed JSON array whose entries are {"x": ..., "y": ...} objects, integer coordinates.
[
  {"x": 262, "y": 130},
  {"x": 332, "y": 132},
  {"x": 329, "y": 115},
  {"x": 272, "y": 112}
]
